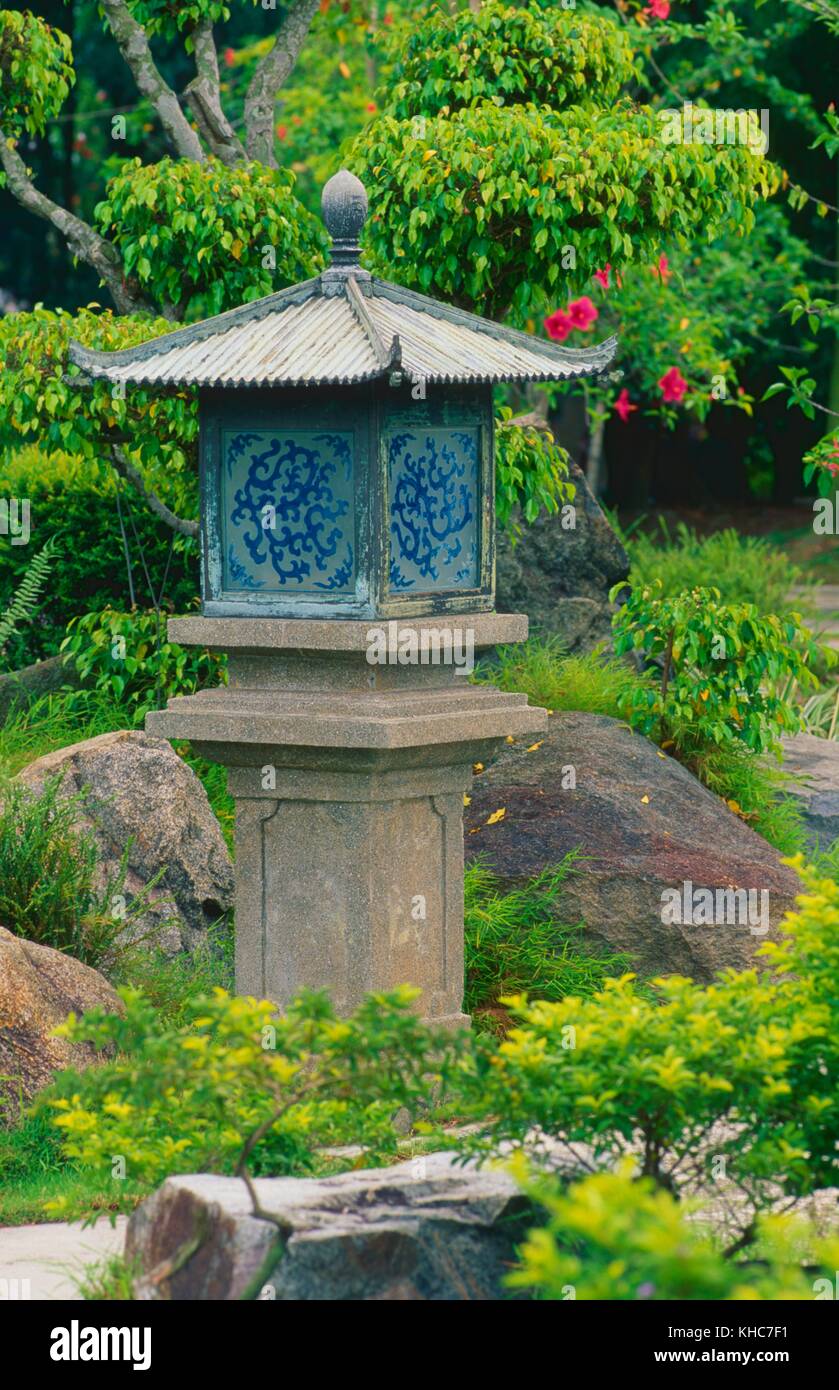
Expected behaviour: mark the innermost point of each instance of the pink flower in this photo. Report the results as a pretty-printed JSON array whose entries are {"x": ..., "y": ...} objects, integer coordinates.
[
  {"x": 658, "y": 9},
  {"x": 230, "y": 56},
  {"x": 623, "y": 405},
  {"x": 582, "y": 312},
  {"x": 662, "y": 269},
  {"x": 603, "y": 275},
  {"x": 558, "y": 325},
  {"x": 832, "y": 468},
  {"x": 673, "y": 386}
]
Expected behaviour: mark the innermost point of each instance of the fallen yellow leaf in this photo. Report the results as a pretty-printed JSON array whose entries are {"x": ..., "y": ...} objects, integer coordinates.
[
  {"x": 496, "y": 816},
  {"x": 467, "y": 800},
  {"x": 510, "y": 738},
  {"x": 477, "y": 767},
  {"x": 534, "y": 746},
  {"x": 645, "y": 801}
]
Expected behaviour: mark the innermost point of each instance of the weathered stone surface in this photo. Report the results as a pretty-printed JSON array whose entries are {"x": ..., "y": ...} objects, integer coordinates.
[
  {"x": 561, "y": 578},
  {"x": 814, "y": 763},
  {"x": 422, "y": 1230},
  {"x": 39, "y": 987},
  {"x": 349, "y": 852},
  {"x": 137, "y": 788},
  {"x": 645, "y": 825}
]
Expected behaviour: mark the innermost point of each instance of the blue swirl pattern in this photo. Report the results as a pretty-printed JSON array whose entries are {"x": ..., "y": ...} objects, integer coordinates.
[
  {"x": 433, "y": 489},
  {"x": 290, "y": 511}
]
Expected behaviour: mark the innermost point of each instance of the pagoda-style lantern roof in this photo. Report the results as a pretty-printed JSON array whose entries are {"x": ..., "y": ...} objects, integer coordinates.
[
  {"x": 343, "y": 327},
  {"x": 346, "y": 438}
]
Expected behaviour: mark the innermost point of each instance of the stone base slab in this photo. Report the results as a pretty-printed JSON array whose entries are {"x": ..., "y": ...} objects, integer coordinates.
[{"x": 349, "y": 782}]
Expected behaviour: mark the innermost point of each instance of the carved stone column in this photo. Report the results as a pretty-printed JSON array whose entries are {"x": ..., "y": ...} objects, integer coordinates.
[{"x": 348, "y": 779}]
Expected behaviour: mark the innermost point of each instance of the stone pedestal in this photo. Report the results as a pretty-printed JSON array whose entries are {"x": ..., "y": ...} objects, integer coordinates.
[{"x": 348, "y": 779}]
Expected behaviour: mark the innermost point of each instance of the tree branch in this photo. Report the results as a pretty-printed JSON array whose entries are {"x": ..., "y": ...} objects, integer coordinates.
[
  {"x": 132, "y": 475},
  {"x": 271, "y": 72},
  {"x": 82, "y": 240},
  {"x": 133, "y": 44},
  {"x": 204, "y": 97}
]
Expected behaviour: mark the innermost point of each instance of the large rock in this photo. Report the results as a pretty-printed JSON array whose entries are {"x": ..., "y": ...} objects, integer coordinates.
[
  {"x": 425, "y": 1229},
  {"x": 814, "y": 763},
  {"x": 561, "y": 578},
  {"x": 645, "y": 825},
  {"x": 19, "y": 689},
  {"x": 137, "y": 788},
  {"x": 39, "y": 987}
]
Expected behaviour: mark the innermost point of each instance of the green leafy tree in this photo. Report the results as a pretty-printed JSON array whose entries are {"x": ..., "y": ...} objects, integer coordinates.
[{"x": 181, "y": 237}]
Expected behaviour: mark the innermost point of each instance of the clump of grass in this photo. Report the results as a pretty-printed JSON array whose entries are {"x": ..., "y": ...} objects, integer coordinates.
[
  {"x": 110, "y": 1280},
  {"x": 56, "y": 721},
  {"x": 50, "y": 882},
  {"x": 515, "y": 943},
  {"x": 34, "y": 1170},
  {"x": 593, "y": 683},
  {"x": 745, "y": 569},
  {"x": 172, "y": 983},
  {"x": 213, "y": 777},
  {"x": 826, "y": 861},
  {"x": 755, "y": 787}
]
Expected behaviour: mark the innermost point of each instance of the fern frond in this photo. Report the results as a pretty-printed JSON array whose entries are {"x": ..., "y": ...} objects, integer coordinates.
[{"x": 25, "y": 598}]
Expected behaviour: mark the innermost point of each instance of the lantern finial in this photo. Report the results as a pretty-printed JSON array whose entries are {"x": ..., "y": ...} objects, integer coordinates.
[{"x": 344, "y": 208}]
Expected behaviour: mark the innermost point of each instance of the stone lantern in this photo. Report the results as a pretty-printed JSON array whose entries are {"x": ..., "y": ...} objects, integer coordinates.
[{"x": 347, "y": 539}]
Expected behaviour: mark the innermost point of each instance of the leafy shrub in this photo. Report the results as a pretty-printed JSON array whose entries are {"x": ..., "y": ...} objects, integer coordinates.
[
  {"x": 92, "y": 574},
  {"x": 239, "y": 1087},
  {"x": 515, "y": 942},
  {"x": 507, "y": 54},
  {"x": 44, "y": 398},
  {"x": 229, "y": 215},
  {"x": 476, "y": 205},
  {"x": 50, "y": 885},
  {"x": 128, "y": 657},
  {"x": 531, "y": 471},
  {"x": 37, "y": 72},
  {"x": 808, "y": 956},
  {"x": 725, "y": 668},
  {"x": 608, "y": 1237},
  {"x": 745, "y": 569},
  {"x": 744, "y": 1069}
]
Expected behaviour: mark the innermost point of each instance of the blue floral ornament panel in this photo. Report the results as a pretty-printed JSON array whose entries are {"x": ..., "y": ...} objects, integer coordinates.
[
  {"x": 434, "y": 507},
  {"x": 289, "y": 511}
]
